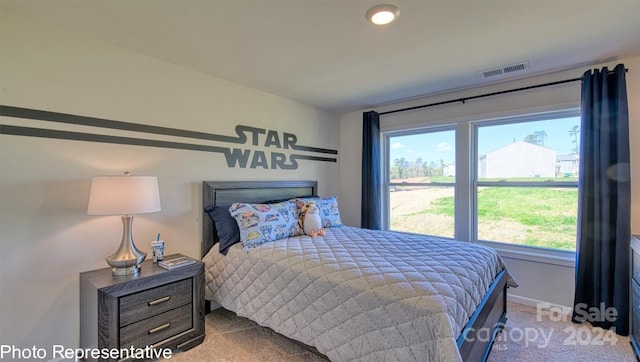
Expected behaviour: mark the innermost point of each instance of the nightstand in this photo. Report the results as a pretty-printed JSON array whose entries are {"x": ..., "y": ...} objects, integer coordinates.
[
  {"x": 157, "y": 307},
  {"x": 635, "y": 295}
]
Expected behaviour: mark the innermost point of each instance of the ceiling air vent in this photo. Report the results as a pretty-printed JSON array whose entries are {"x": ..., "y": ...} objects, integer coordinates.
[{"x": 506, "y": 70}]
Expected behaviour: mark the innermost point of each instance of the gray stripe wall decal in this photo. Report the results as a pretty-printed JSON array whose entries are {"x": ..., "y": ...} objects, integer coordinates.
[{"x": 235, "y": 157}]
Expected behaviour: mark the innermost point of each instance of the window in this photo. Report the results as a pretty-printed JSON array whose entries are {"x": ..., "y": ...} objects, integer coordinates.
[
  {"x": 527, "y": 181},
  {"x": 422, "y": 182},
  {"x": 518, "y": 176}
]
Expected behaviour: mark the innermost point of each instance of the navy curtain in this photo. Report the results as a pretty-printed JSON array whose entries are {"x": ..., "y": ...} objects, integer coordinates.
[
  {"x": 604, "y": 205},
  {"x": 371, "y": 172}
]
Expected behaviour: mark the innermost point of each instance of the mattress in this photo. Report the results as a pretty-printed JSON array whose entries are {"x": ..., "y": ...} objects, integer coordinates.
[{"x": 358, "y": 294}]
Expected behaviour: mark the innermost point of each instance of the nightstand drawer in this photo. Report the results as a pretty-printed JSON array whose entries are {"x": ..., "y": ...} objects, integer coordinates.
[
  {"x": 157, "y": 328},
  {"x": 635, "y": 311},
  {"x": 635, "y": 333},
  {"x": 635, "y": 296},
  {"x": 636, "y": 265},
  {"x": 138, "y": 306}
]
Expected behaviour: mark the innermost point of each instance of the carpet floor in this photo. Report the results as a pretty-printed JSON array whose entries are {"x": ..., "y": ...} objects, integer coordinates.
[{"x": 528, "y": 336}]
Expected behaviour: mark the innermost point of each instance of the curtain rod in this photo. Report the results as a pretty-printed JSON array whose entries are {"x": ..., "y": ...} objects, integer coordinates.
[{"x": 464, "y": 99}]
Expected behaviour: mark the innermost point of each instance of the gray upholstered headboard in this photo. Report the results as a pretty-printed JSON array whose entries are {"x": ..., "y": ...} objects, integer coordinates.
[{"x": 215, "y": 193}]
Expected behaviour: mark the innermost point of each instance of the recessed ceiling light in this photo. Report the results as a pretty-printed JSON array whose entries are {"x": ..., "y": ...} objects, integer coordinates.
[{"x": 382, "y": 14}]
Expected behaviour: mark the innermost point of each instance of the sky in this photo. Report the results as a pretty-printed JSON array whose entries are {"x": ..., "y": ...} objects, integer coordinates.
[{"x": 441, "y": 145}]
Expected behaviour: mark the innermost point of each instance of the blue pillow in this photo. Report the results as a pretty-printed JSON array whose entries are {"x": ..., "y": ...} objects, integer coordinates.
[
  {"x": 225, "y": 227},
  {"x": 261, "y": 223}
]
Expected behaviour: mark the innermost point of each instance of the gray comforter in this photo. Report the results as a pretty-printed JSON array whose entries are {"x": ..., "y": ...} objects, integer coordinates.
[{"x": 358, "y": 294}]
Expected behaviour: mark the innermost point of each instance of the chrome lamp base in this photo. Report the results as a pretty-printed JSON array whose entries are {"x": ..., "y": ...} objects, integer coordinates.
[{"x": 127, "y": 259}]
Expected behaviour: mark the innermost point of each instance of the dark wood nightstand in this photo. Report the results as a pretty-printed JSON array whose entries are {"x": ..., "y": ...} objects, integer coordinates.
[
  {"x": 635, "y": 295},
  {"x": 157, "y": 307}
]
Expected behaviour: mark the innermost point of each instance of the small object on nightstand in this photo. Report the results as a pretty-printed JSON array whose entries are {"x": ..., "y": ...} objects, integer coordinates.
[
  {"x": 157, "y": 249},
  {"x": 176, "y": 262}
]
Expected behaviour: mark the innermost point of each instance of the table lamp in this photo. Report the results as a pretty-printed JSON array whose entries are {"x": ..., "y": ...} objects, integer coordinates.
[{"x": 124, "y": 195}]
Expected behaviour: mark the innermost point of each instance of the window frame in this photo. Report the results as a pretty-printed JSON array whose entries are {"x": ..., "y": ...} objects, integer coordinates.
[
  {"x": 515, "y": 249},
  {"x": 387, "y": 183},
  {"x": 467, "y": 183}
]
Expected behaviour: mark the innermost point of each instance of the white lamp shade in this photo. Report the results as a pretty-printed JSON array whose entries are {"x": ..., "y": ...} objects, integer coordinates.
[{"x": 123, "y": 195}]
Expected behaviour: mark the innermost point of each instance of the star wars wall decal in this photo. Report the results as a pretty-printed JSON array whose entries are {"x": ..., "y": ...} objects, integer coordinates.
[{"x": 264, "y": 148}]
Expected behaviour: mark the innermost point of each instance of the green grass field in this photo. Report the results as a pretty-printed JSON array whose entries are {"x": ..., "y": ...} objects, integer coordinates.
[
  {"x": 540, "y": 217},
  {"x": 549, "y": 216}
]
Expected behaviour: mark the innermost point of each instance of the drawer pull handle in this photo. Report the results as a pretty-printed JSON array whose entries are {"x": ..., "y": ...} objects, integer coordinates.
[
  {"x": 159, "y": 328},
  {"x": 159, "y": 300}
]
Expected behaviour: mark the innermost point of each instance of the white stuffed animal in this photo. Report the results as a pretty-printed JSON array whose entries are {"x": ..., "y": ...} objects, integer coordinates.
[{"x": 312, "y": 222}]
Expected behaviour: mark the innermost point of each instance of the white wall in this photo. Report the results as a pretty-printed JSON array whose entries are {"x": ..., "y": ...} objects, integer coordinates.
[
  {"x": 519, "y": 159},
  {"x": 538, "y": 281},
  {"x": 46, "y": 238}
]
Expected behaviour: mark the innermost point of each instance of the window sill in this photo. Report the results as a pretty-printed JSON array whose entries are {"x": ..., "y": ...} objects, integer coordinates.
[{"x": 538, "y": 255}]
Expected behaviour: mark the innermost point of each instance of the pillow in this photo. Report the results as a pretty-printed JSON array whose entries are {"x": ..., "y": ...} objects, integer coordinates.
[
  {"x": 225, "y": 226},
  {"x": 261, "y": 223},
  {"x": 328, "y": 207}
]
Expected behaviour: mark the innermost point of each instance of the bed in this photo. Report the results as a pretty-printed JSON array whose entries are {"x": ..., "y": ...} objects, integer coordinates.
[{"x": 357, "y": 294}]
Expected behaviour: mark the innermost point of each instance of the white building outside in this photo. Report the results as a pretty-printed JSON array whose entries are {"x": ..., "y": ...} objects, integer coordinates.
[{"x": 519, "y": 159}]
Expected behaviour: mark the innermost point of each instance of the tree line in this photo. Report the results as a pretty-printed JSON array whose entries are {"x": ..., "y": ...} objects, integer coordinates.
[{"x": 402, "y": 168}]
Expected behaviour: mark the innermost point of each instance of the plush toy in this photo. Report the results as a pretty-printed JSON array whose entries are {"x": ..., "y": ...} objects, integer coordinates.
[{"x": 311, "y": 221}]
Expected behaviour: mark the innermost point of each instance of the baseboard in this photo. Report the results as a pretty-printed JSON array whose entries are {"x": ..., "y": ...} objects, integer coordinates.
[
  {"x": 535, "y": 302},
  {"x": 551, "y": 311}
]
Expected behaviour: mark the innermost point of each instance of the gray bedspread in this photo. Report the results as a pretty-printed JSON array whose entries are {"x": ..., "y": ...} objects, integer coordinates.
[{"x": 358, "y": 294}]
